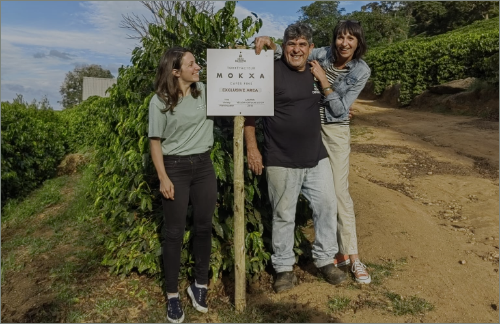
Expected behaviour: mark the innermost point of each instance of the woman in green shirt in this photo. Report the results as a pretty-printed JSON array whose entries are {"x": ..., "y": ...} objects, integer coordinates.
[{"x": 181, "y": 137}]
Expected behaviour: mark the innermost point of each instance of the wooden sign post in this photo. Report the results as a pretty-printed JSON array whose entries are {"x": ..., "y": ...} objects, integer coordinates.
[
  {"x": 239, "y": 216},
  {"x": 239, "y": 83}
]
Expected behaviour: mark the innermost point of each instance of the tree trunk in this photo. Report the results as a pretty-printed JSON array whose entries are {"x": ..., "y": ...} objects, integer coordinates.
[{"x": 239, "y": 216}]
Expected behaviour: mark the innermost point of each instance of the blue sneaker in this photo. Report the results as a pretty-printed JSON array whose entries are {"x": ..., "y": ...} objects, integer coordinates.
[
  {"x": 198, "y": 297},
  {"x": 174, "y": 310}
]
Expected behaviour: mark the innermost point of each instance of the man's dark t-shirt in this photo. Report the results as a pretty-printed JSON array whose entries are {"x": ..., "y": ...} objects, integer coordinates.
[{"x": 293, "y": 135}]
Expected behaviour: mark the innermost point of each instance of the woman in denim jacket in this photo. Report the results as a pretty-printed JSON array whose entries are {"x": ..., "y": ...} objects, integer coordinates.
[{"x": 342, "y": 74}]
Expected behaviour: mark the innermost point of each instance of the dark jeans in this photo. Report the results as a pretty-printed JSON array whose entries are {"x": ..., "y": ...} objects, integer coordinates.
[{"x": 194, "y": 181}]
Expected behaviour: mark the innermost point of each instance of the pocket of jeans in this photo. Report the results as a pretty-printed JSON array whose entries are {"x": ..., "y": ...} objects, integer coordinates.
[{"x": 171, "y": 164}]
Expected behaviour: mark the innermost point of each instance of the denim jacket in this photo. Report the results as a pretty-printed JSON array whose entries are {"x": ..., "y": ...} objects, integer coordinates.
[{"x": 346, "y": 87}]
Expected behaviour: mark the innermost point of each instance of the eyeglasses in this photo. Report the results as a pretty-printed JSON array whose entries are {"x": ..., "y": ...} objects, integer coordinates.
[{"x": 353, "y": 21}]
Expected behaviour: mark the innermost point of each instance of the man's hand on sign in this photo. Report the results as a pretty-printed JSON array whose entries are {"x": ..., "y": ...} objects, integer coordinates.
[{"x": 262, "y": 41}]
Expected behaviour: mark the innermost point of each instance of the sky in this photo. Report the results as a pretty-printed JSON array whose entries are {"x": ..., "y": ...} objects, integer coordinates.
[{"x": 43, "y": 40}]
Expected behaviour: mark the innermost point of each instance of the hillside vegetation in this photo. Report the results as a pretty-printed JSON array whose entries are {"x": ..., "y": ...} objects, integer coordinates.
[{"x": 420, "y": 62}]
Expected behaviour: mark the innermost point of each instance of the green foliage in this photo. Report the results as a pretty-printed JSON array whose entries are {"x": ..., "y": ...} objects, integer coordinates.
[
  {"x": 380, "y": 28},
  {"x": 322, "y": 16},
  {"x": 72, "y": 87},
  {"x": 408, "y": 305},
  {"x": 384, "y": 270},
  {"x": 125, "y": 188},
  {"x": 33, "y": 144},
  {"x": 338, "y": 303},
  {"x": 15, "y": 212},
  {"x": 437, "y": 17},
  {"x": 84, "y": 124},
  {"x": 432, "y": 17},
  {"x": 420, "y": 62}
]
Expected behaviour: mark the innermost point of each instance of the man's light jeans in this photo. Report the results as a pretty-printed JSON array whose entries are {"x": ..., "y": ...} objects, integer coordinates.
[{"x": 316, "y": 184}]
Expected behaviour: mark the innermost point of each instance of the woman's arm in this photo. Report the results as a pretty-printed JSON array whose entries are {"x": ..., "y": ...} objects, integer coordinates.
[
  {"x": 166, "y": 186},
  {"x": 338, "y": 104}
]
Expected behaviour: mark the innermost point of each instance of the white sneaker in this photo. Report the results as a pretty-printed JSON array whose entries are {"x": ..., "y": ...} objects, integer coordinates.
[{"x": 360, "y": 273}]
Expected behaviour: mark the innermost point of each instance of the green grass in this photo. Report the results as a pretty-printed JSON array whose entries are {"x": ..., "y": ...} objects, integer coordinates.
[
  {"x": 65, "y": 272},
  {"x": 338, "y": 303},
  {"x": 106, "y": 305},
  {"x": 412, "y": 305},
  {"x": 15, "y": 212},
  {"x": 10, "y": 263},
  {"x": 384, "y": 270},
  {"x": 76, "y": 317},
  {"x": 71, "y": 226},
  {"x": 34, "y": 245}
]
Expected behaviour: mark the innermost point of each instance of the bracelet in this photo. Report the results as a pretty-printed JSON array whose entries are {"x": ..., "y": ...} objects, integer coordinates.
[{"x": 327, "y": 88}]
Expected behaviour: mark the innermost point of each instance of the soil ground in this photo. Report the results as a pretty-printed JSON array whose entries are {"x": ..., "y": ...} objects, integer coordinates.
[{"x": 425, "y": 188}]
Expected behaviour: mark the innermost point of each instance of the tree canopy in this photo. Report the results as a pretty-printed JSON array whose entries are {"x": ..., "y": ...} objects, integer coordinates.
[
  {"x": 72, "y": 87},
  {"x": 437, "y": 17},
  {"x": 387, "y": 22},
  {"x": 322, "y": 16},
  {"x": 140, "y": 25}
]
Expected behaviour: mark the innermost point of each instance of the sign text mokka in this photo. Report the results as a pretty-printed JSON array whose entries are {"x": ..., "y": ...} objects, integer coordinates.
[{"x": 240, "y": 76}]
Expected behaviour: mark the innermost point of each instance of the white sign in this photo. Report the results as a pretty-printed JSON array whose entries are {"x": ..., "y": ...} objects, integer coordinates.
[{"x": 240, "y": 82}]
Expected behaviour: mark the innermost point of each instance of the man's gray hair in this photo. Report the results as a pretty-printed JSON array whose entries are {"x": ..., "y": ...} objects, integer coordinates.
[{"x": 298, "y": 30}]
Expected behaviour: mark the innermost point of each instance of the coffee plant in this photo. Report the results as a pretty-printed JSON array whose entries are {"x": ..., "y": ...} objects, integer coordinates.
[
  {"x": 126, "y": 185},
  {"x": 83, "y": 124},
  {"x": 33, "y": 144},
  {"x": 420, "y": 62}
]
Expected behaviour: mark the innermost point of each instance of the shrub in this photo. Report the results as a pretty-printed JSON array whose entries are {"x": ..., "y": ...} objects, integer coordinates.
[
  {"x": 421, "y": 62},
  {"x": 33, "y": 144},
  {"x": 83, "y": 123}
]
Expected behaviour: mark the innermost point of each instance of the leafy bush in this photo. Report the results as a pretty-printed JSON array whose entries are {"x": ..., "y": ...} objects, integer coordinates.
[
  {"x": 83, "y": 124},
  {"x": 421, "y": 62},
  {"x": 33, "y": 144}
]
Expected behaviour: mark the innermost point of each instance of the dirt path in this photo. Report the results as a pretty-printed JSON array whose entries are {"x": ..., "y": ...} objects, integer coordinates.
[
  {"x": 425, "y": 188},
  {"x": 446, "y": 209}
]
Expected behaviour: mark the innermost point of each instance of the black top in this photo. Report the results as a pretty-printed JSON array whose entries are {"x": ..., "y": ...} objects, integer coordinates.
[{"x": 293, "y": 135}]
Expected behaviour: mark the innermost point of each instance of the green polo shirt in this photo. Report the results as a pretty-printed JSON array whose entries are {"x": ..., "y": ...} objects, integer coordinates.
[{"x": 186, "y": 130}]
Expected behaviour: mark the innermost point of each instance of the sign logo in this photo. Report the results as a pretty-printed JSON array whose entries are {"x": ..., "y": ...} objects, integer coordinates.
[{"x": 240, "y": 59}]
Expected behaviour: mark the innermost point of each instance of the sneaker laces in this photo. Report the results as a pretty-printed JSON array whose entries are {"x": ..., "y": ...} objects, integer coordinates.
[
  {"x": 359, "y": 269},
  {"x": 175, "y": 304},
  {"x": 203, "y": 294}
]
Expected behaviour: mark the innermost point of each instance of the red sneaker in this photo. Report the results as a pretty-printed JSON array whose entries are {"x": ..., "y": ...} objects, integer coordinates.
[
  {"x": 341, "y": 260},
  {"x": 360, "y": 273}
]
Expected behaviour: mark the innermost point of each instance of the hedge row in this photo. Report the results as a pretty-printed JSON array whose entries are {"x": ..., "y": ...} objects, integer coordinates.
[
  {"x": 421, "y": 62},
  {"x": 33, "y": 144}
]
